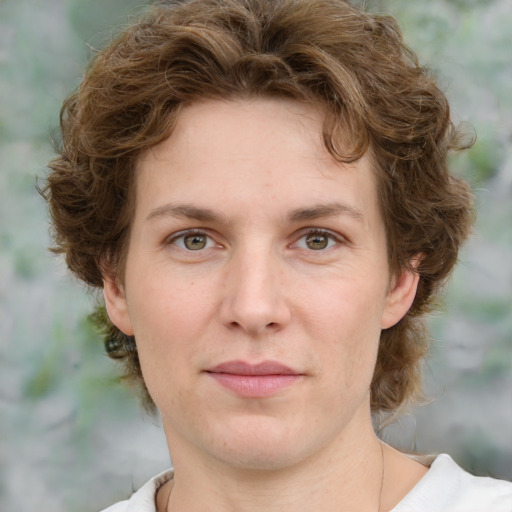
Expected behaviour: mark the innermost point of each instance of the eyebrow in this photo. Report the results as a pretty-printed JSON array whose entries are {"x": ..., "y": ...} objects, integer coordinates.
[
  {"x": 325, "y": 210},
  {"x": 188, "y": 211}
]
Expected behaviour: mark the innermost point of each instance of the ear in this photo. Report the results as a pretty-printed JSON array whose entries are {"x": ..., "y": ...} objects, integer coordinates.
[
  {"x": 117, "y": 307},
  {"x": 400, "y": 296}
]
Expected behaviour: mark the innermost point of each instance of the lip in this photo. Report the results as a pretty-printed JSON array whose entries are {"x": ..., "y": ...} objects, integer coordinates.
[{"x": 259, "y": 380}]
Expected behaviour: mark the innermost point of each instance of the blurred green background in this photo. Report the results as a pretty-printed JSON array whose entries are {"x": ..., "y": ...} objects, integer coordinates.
[{"x": 71, "y": 438}]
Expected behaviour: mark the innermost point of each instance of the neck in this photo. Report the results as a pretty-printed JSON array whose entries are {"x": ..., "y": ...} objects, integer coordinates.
[{"x": 331, "y": 480}]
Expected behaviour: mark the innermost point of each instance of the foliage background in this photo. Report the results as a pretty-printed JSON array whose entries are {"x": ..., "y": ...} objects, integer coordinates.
[{"x": 73, "y": 439}]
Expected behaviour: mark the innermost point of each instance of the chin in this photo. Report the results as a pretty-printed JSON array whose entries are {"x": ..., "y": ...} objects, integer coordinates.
[
  {"x": 258, "y": 458},
  {"x": 261, "y": 446}
]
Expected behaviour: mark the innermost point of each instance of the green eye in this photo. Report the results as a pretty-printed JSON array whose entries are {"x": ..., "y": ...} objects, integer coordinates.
[
  {"x": 191, "y": 240},
  {"x": 317, "y": 241},
  {"x": 195, "y": 242}
]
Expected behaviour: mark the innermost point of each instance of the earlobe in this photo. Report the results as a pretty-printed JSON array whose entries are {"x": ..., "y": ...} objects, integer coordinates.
[
  {"x": 400, "y": 297},
  {"x": 116, "y": 305}
]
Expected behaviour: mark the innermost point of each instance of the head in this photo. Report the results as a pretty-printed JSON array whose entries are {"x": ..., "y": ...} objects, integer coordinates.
[{"x": 375, "y": 104}]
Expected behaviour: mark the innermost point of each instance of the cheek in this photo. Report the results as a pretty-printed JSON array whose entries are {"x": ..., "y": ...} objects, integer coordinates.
[
  {"x": 167, "y": 320},
  {"x": 346, "y": 323},
  {"x": 162, "y": 303},
  {"x": 347, "y": 306}
]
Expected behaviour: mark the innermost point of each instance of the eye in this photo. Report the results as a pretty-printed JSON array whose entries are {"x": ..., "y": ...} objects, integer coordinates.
[
  {"x": 192, "y": 241},
  {"x": 317, "y": 240}
]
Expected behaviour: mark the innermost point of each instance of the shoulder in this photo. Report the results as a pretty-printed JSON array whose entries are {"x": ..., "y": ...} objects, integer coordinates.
[
  {"x": 121, "y": 506},
  {"x": 448, "y": 488},
  {"x": 144, "y": 499}
]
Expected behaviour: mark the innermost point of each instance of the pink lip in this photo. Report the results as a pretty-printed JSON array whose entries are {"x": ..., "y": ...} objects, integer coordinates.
[{"x": 254, "y": 381}]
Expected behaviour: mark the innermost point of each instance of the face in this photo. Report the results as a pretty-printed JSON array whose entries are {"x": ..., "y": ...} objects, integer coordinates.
[{"x": 256, "y": 285}]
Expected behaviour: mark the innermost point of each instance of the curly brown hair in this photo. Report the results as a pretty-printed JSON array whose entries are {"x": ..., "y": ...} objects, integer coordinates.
[{"x": 351, "y": 64}]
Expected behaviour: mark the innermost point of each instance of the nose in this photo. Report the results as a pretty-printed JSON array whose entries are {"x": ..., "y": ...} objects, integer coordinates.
[{"x": 254, "y": 299}]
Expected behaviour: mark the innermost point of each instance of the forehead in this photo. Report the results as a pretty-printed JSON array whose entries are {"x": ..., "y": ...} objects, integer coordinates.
[
  {"x": 268, "y": 123},
  {"x": 260, "y": 153}
]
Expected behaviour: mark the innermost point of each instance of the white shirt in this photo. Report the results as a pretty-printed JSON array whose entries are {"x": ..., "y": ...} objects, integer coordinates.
[{"x": 446, "y": 487}]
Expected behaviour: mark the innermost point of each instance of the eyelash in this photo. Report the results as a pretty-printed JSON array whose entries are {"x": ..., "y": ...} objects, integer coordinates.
[
  {"x": 311, "y": 232},
  {"x": 187, "y": 233}
]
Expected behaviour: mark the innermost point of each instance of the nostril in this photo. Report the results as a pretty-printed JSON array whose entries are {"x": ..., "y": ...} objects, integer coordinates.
[{"x": 270, "y": 325}]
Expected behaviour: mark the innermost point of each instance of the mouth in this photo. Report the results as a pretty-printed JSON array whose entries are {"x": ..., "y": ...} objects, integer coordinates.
[{"x": 254, "y": 380}]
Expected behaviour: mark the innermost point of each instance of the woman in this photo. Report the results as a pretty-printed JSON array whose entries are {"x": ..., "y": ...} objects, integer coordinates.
[{"x": 260, "y": 188}]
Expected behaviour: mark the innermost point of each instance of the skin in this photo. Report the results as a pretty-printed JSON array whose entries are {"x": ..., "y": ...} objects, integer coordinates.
[{"x": 287, "y": 262}]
